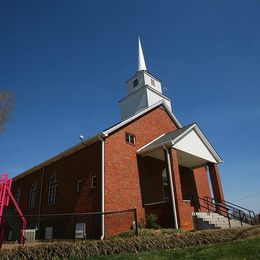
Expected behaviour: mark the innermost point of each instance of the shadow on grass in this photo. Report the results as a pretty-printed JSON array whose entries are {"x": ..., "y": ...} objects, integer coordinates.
[{"x": 241, "y": 249}]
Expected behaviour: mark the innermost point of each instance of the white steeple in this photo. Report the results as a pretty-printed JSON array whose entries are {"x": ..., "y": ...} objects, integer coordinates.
[
  {"x": 141, "y": 61},
  {"x": 143, "y": 90}
]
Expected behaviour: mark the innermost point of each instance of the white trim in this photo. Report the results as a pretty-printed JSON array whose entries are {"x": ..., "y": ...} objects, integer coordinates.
[
  {"x": 203, "y": 139},
  {"x": 162, "y": 102},
  {"x": 172, "y": 188},
  {"x": 172, "y": 143},
  {"x": 150, "y": 142},
  {"x": 208, "y": 144},
  {"x": 145, "y": 72},
  {"x": 154, "y": 147},
  {"x": 95, "y": 138},
  {"x": 148, "y": 87},
  {"x": 59, "y": 156}
]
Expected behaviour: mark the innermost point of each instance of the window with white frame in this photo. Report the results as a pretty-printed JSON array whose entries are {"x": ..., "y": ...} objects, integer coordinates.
[
  {"x": 80, "y": 230},
  {"x": 166, "y": 191},
  {"x": 94, "y": 182},
  {"x": 53, "y": 189},
  {"x": 18, "y": 195},
  {"x": 130, "y": 138},
  {"x": 32, "y": 196},
  {"x": 78, "y": 187}
]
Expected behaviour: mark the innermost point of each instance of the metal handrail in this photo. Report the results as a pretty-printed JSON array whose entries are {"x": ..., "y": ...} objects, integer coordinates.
[
  {"x": 250, "y": 214},
  {"x": 232, "y": 204},
  {"x": 224, "y": 209}
]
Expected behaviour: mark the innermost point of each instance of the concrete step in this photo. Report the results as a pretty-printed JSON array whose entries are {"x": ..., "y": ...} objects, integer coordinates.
[{"x": 204, "y": 220}]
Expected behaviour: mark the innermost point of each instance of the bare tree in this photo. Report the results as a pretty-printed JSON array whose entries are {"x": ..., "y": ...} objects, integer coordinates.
[{"x": 6, "y": 105}]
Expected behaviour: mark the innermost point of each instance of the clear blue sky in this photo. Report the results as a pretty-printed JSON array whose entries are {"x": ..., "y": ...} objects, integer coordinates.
[{"x": 67, "y": 62}]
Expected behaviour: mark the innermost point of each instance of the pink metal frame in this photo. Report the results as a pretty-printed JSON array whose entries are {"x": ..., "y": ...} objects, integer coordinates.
[{"x": 5, "y": 196}]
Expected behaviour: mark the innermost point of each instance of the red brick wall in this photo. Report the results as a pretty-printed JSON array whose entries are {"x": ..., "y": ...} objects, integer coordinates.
[
  {"x": 130, "y": 181},
  {"x": 150, "y": 174},
  {"x": 25, "y": 185},
  {"x": 82, "y": 165},
  {"x": 122, "y": 182},
  {"x": 164, "y": 213}
]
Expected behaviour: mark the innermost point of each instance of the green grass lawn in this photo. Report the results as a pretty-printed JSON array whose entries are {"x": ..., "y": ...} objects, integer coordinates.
[{"x": 242, "y": 249}]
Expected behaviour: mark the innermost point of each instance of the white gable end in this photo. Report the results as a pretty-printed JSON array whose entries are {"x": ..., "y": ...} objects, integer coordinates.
[{"x": 191, "y": 143}]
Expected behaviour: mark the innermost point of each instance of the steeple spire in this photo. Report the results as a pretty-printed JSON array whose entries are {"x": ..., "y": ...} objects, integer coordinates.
[{"x": 141, "y": 61}]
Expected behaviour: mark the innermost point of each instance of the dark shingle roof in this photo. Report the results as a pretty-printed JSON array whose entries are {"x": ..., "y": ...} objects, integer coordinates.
[{"x": 170, "y": 136}]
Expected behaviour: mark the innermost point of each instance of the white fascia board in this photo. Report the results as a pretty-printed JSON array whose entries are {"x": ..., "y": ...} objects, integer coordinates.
[
  {"x": 59, "y": 156},
  {"x": 112, "y": 129},
  {"x": 203, "y": 139},
  {"x": 208, "y": 144},
  {"x": 183, "y": 134},
  {"x": 167, "y": 143},
  {"x": 171, "y": 143},
  {"x": 150, "y": 149},
  {"x": 157, "y": 92},
  {"x": 141, "y": 88},
  {"x": 143, "y": 147}
]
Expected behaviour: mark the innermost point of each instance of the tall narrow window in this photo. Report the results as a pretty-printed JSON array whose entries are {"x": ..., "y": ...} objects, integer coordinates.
[
  {"x": 153, "y": 82},
  {"x": 94, "y": 182},
  {"x": 18, "y": 195},
  {"x": 53, "y": 188},
  {"x": 78, "y": 187},
  {"x": 166, "y": 191},
  {"x": 32, "y": 196}
]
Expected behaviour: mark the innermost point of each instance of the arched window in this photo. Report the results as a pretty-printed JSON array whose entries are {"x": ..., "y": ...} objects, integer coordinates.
[
  {"x": 53, "y": 188},
  {"x": 166, "y": 191},
  {"x": 32, "y": 196},
  {"x": 18, "y": 195}
]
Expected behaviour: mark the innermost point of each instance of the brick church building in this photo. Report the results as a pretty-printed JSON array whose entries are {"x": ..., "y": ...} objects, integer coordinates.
[{"x": 147, "y": 161}]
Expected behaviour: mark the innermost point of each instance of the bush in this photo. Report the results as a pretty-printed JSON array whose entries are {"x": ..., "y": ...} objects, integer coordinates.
[
  {"x": 151, "y": 221},
  {"x": 135, "y": 244}
]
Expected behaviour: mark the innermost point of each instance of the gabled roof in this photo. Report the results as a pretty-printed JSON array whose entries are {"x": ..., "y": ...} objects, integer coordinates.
[
  {"x": 96, "y": 138},
  {"x": 171, "y": 139}
]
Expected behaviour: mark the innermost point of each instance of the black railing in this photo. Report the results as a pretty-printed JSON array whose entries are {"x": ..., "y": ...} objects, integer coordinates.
[
  {"x": 226, "y": 209},
  {"x": 240, "y": 213},
  {"x": 70, "y": 226}
]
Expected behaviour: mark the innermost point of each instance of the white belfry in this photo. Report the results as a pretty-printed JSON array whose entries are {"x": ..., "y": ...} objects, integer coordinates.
[{"x": 141, "y": 61}]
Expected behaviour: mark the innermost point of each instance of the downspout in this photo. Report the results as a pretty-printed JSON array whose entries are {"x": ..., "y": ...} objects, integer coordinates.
[
  {"x": 102, "y": 187},
  {"x": 172, "y": 188},
  {"x": 40, "y": 199}
]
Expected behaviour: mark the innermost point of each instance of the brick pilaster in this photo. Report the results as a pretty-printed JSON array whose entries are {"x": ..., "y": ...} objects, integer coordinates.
[
  {"x": 215, "y": 182},
  {"x": 183, "y": 208}
]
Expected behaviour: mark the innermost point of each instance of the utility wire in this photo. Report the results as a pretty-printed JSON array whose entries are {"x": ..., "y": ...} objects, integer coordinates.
[
  {"x": 243, "y": 38},
  {"x": 249, "y": 196}
]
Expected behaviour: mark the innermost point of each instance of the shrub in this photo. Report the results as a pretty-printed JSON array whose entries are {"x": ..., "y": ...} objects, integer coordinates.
[
  {"x": 57, "y": 250},
  {"x": 141, "y": 223},
  {"x": 151, "y": 221}
]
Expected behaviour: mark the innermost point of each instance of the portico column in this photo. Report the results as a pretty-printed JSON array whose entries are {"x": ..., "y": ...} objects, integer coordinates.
[
  {"x": 215, "y": 182},
  {"x": 184, "y": 211}
]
